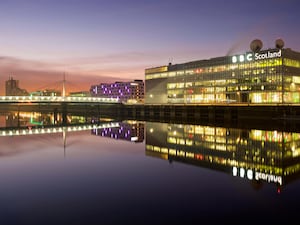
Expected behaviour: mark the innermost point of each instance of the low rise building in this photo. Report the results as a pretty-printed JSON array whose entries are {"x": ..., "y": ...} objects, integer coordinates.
[{"x": 132, "y": 91}]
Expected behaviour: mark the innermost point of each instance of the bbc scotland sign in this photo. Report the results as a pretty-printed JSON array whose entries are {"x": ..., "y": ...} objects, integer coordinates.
[{"x": 248, "y": 57}]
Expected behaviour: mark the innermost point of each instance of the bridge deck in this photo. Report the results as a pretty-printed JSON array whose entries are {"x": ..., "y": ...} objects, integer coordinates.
[
  {"x": 53, "y": 129},
  {"x": 50, "y": 99}
]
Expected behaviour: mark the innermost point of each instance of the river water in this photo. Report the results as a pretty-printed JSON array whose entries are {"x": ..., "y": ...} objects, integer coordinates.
[{"x": 93, "y": 171}]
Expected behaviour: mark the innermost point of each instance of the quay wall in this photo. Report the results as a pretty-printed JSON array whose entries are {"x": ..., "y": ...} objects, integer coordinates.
[
  {"x": 241, "y": 115},
  {"x": 257, "y": 116}
]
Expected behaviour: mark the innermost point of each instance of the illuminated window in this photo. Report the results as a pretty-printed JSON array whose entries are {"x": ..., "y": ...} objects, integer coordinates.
[
  {"x": 164, "y": 150},
  {"x": 291, "y": 63},
  {"x": 156, "y": 149},
  {"x": 149, "y": 147},
  {"x": 189, "y": 142},
  {"x": 189, "y": 84},
  {"x": 171, "y": 85},
  {"x": 181, "y": 141},
  {"x": 172, "y": 152},
  {"x": 180, "y": 153},
  {"x": 171, "y": 140},
  {"x": 189, "y": 154}
]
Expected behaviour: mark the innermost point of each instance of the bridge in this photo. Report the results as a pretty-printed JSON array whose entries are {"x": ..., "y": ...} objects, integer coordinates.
[
  {"x": 56, "y": 99},
  {"x": 54, "y": 129}
]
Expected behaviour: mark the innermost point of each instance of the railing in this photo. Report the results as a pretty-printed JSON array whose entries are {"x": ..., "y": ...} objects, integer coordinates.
[
  {"x": 51, "y": 130},
  {"x": 21, "y": 99}
]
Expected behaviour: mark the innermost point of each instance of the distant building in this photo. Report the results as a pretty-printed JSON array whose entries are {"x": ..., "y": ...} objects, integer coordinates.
[
  {"x": 12, "y": 88},
  {"x": 124, "y": 91},
  {"x": 46, "y": 92}
]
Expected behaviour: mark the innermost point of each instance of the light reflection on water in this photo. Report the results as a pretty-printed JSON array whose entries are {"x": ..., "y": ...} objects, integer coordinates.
[{"x": 167, "y": 173}]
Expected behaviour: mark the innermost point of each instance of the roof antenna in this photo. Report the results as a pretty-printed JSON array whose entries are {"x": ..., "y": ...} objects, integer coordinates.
[
  {"x": 64, "y": 88},
  {"x": 170, "y": 61}
]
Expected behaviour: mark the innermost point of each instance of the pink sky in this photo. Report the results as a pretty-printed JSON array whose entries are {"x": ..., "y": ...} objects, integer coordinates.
[{"x": 97, "y": 41}]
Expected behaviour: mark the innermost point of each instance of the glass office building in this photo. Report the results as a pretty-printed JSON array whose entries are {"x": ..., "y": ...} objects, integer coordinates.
[{"x": 269, "y": 76}]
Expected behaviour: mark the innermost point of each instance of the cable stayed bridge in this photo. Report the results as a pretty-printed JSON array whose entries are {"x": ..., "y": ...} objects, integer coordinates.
[
  {"x": 62, "y": 105},
  {"x": 21, "y": 131},
  {"x": 33, "y": 98},
  {"x": 56, "y": 99}
]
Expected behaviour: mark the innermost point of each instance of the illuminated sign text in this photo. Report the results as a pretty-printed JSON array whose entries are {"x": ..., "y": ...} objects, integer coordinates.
[
  {"x": 250, "y": 174},
  {"x": 257, "y": 56}
]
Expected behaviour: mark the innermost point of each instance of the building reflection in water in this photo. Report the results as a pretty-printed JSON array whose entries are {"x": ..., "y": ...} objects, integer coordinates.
[
  {"x": 257, "y": 155},
  {"x": 29, "y": 123},
  {"x": 127, "y": 130},
  {"x": 37, "y": 119}
]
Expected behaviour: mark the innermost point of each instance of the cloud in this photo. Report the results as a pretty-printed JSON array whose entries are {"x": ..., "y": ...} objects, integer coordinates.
[
  {"x": 80, "y": 73},
  {"x": 124, "y": 57}
]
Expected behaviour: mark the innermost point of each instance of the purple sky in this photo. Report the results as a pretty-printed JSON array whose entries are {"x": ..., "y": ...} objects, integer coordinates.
[{"x": 95, "y": 41}]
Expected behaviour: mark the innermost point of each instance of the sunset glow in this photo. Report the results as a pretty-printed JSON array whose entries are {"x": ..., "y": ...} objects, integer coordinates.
[{"x": 99, "y": 41}]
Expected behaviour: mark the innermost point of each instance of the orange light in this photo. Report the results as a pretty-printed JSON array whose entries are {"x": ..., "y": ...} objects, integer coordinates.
[{"x": 199, "y": 156}]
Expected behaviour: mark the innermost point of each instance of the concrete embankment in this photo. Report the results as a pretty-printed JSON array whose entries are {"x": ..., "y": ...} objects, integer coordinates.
[
  {"x": 275, "y": 116},
  {"x": 238, "y": 115}
]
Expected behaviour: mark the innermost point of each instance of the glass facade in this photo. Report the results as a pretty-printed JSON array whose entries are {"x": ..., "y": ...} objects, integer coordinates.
[
  {"x": 271, "y": 156},
  {"x": 269, "y": 76},
  {"x": 127, "y": 130},
  {"x": 124, "y": 91}
]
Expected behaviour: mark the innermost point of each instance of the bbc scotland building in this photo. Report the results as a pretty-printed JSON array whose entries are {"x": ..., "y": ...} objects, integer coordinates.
[{"x": 270, "y": 76}]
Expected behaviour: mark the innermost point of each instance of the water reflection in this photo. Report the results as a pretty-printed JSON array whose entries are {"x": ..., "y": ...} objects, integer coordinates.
[
  {"x": 34, "y": 123},
  {"x": 127, "y": 130},
  {"x": 42, "y": 125},
  {"x": 106, "y": 171},
  {"x": 37, "y": 119},
  {"x": 259, "y": 156}
]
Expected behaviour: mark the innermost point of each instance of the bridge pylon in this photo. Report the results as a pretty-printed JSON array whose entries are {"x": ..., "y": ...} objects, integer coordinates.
[{"x": 64, "y": 86}]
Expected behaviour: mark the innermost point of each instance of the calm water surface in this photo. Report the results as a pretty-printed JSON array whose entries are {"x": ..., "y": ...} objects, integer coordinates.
[{"x": 147, "y": 173}]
